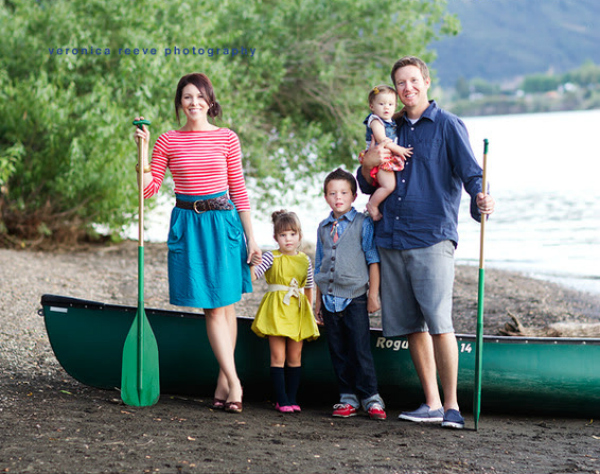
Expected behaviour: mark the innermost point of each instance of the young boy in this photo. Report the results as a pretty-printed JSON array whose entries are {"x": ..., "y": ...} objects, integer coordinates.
[{"x": 347, "y": 277}]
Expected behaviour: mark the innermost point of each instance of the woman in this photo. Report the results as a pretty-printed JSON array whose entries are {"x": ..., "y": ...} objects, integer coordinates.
[{"x": 208, "y": 254}]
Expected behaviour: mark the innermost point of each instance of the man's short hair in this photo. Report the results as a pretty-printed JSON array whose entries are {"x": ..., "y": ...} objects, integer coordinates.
[
  {"x": 344, "y": 176},
  {"x": 409, "y": 61}
]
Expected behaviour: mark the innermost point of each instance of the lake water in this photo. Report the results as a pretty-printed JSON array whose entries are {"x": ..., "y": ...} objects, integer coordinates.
[{"x": 543, "y": 171}]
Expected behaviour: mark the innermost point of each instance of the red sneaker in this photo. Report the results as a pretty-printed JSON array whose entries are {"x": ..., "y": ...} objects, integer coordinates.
[
  {"x": 344, "y": 410},
  {"x": 376, "y": 412}
]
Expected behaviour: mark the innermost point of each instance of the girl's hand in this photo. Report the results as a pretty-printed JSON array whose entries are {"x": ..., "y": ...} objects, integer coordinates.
[
  {"x": 406, "y": 153},
  {"x": 252, "y": 273},
  {"x": 254, "y": 253}
]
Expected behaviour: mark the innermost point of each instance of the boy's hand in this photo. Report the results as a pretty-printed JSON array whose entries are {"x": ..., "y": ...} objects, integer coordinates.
[
  {"x": 373, "y": 304},
  {"x": 318, "y": 314}
]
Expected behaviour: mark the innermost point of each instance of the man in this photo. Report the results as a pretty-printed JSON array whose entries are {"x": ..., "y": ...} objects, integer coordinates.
[{"x": 418, "y": 234}]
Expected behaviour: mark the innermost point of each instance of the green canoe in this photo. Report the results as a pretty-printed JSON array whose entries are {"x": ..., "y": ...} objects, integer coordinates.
[{"x": 520, "y": 375}]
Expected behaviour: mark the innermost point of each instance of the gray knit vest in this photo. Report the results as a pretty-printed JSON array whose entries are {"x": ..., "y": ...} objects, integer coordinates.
[{"x": 344, "y": 270}]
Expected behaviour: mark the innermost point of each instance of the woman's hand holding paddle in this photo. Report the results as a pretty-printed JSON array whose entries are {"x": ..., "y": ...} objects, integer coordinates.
[{"x": 142, "y": 132}]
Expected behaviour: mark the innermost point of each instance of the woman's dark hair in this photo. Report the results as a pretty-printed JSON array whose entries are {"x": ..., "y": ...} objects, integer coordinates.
[
  {"x": 202, "y": 82},
  {"x": 284, "y": 220}
]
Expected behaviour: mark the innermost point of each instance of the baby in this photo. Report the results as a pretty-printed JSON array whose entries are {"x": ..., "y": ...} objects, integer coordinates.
[{"x": 381, "y": 127}]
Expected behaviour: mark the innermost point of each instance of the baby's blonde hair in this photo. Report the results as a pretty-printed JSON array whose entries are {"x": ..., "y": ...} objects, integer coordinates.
[{"x": 381, "y": 89}]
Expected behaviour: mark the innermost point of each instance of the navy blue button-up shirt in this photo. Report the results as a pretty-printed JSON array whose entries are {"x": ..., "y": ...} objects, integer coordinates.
[{"x": 423, "y": 209}]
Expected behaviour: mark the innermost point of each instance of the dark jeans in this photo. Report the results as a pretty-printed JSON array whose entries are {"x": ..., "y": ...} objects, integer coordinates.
[{"x": 350, "y": 349}]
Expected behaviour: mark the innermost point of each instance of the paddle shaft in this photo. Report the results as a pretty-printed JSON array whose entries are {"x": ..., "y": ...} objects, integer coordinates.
[
  {"x": 140, "y": 168},
  {"x": 480, "y": 300},
  {"x": 483, "y": 217},
  {"x": 141, "y": 260},
  {"x": 140, "y": 321}
]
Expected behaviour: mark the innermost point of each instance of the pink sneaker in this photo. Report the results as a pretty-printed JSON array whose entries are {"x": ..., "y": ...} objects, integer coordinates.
[
  {"x": 296, "y": 408},
  {"x": 376, "y": 412},
  {"x": 343, "y": 410},
  {"x": 284, "y": 409}
]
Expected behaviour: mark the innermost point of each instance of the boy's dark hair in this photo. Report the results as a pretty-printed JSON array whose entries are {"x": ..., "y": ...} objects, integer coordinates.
[{"x": 343, "y": 175}]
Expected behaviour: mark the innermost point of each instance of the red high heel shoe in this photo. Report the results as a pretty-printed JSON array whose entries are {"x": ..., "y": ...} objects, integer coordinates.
[
  {"x": 218, "y": 404},
  {"x": 233, "y": 407}
]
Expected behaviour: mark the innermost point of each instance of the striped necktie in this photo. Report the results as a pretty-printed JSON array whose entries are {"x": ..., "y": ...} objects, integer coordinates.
[{"x": 334, "y": 231}]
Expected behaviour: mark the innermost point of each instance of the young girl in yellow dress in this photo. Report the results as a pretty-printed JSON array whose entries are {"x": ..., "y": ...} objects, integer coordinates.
[{"x": 285, "y": 313}]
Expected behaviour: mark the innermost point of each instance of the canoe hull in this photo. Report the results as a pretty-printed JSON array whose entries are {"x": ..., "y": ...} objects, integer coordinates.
[{"x": 526, "y": 375}]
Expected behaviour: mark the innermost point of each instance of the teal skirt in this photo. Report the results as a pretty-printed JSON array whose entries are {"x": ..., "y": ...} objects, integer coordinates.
[{"x": 207, "y": 257}]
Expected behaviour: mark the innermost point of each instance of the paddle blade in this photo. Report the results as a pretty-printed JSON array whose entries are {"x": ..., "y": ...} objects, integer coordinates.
[{"x": 140, "y": 385}]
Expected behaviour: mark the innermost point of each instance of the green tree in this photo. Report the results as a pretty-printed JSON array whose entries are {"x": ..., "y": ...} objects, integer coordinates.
[
  {"x": 540, "y": 83},
  {"x": 66, "y": 151},
  {"x": 481, "y": 86},
  {"x": 588, "y": 75}
]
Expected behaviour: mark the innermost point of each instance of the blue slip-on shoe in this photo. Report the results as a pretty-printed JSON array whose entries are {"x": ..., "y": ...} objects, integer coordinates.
[
  {"x": 423, "y": 414},
  {"x": 453, "y": 419}
]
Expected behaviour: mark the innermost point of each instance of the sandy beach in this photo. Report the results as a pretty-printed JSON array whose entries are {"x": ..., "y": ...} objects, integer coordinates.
[{"x": 50, "y": 423}]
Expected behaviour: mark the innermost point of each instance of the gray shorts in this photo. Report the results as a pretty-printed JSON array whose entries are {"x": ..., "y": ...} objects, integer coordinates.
[{"x": 416, "y": 289}]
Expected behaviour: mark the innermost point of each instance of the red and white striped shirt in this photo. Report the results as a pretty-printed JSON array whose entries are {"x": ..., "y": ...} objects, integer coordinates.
[{"x": 201, "y": 162}]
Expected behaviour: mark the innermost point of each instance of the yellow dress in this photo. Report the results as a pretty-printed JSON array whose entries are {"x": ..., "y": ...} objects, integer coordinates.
[{"x": 290, "y": 316}]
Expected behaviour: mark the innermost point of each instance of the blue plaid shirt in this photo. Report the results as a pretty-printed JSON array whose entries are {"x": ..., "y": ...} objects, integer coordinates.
[{"x": 335, "y": 304}]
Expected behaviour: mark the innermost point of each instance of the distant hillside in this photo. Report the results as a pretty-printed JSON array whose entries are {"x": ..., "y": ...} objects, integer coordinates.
[{"x": 504, "y": 39}]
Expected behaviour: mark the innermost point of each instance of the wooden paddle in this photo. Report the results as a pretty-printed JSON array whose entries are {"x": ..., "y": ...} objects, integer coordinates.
[
  {"x": 140, "y": 384},
  {"x": 479, "y": 336}
]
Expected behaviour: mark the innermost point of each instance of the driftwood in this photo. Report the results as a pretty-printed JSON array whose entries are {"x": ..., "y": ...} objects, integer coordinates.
[{"x": 561, "y": 329}]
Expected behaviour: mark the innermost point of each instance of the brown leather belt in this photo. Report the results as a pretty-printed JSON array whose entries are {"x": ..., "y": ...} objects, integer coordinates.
[{"x": 220, "y": 203}]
